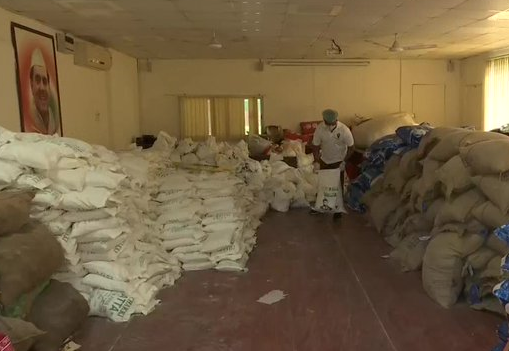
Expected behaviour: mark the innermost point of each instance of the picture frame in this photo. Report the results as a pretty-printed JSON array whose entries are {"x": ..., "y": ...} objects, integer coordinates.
[{"x": 37, "y": 80}]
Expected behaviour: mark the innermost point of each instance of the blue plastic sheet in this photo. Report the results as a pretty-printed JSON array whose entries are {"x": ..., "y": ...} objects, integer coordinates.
[
  {"x": 501, "y": 291},
  {"x": 503, "y": 233},
  {"x": 377, "y": 156},
  {"x": 412, "y": 135}
]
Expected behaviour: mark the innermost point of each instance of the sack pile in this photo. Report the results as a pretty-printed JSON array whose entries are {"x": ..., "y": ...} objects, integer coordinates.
[
  {"x": 99, "y": 214},
  {"x": 406, "y": 138},
  {"x": 29, "y": 256},
  {"x": 437, "y": 206},
  {"x": 205, "y": 220},
  {"x": 366, "y": 131}
]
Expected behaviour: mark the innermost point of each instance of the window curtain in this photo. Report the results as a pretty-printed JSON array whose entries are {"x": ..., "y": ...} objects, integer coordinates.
[
  {"x": 253, "y": 116},
  {"x": 496, "y": 93},
  {"x": 228, "y": 119},
  {"x": 194, "y": 118}
]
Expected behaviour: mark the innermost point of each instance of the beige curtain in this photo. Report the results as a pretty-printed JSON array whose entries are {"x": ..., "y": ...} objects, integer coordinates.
[
  {"x": 496, "y": 93},
  {"x": 194, "y": 118},
  {"x": 253, "y": 116},
  {"x": 228, "y": 118}
]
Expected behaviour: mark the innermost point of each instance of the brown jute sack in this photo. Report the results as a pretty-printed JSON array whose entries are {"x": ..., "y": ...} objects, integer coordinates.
[
  {"x": 429, "y": 180},
  {"x": 448, "y": 147},
  {"x": 497, "y": 245},
  {"x": 409, "y": 165},
  {"x": 22, "y": 334},
  {"x": 496, "y": 190},
  {"x": 458, "y": 209},
  {"x": 479, "y": 136},
  {"x": 395, "y": 181},
  {"x": 382, "y": 207},
  {"x": 431, "y": 139},
  {"x": 487, "y": 158},
  {"x": 443, "y": 265},
  {"x": 14, "y": 210},
  {"x": 434, "y": 209},
  {"x": 455, "y": 177},
  {"x": 27, "y": 259},
  {"x": 492, "y": 269},
  {"x": 410, "y": 252},
  {"x": 406, "y": 192},
  {"x": 59, "y": 311},
  {"x": 490, "y": 215},
  {"x": 480, "y": 258}
]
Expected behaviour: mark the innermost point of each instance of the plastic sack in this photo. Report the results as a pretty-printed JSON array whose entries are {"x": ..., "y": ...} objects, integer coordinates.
[{"x": 330, "y": 192}]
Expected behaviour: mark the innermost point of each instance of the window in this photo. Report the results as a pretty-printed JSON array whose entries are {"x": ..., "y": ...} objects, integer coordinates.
[
  {"x": 496, "y": 93},
  {"x": 226, "y": 118}
]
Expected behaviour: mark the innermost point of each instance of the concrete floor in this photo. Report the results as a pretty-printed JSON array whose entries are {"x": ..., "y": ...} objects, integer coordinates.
[{"x": 342, "y": 296}]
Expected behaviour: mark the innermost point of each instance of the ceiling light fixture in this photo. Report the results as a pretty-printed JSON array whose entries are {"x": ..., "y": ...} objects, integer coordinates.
[
  {"x": 257, "y": 13},
  {"x": 334, "y": 50},
  {"x": 289, "y": 63},
  {"x": 214, "y": 43}
]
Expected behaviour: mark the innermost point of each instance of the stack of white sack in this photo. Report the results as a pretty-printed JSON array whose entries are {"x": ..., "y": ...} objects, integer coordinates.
[
  {"x": 273, "y": 181},
  {"x": 204, "y": 219},
  {"x": 98, "y": 213},
  {"x": 290, "y": 187}
]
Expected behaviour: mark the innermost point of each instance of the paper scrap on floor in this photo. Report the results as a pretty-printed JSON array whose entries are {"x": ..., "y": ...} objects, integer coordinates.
[
  {"x": 71, "y": 346},
  {"x": 272, "y": 297}
]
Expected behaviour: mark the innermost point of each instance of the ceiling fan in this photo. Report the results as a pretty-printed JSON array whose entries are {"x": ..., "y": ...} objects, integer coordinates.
[{"x": 396, "y": 46}]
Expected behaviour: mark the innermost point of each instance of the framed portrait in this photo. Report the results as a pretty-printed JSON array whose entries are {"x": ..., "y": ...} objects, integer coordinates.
[{"x": 37, "y": 80}]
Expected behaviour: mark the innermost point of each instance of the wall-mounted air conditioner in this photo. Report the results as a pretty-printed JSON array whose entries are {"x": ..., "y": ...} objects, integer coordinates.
[
  {"x": 65, "y": 43},
  {"x": 92, "y": 56}
]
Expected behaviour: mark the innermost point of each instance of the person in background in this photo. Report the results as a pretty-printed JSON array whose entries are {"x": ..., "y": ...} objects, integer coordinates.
[
  {"x": 332, "y": 146},
  {"x": 43, "y": 119}
]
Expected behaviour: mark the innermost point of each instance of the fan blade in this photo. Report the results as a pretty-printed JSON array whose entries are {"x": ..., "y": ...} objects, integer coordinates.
[
  {"x": 420, "y": 47},
  {"x": 378, "y": 44}
]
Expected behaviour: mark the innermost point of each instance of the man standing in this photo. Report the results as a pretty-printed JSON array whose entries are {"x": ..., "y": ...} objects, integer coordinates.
[
  {"x": 332, "y": 145},
  {"x": 42, "y": 117}
]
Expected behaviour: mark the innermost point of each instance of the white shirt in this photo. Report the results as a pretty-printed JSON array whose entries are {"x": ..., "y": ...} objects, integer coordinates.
[{"x": 333, "y": 143}]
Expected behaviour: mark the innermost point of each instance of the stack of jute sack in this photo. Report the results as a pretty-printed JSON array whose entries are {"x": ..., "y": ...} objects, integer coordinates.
[
  {"x": 377, "y": 155},
  {"x": 36, "y": 313},
  {"x": 98, "y": 212},
  {"x": 437, "y": 206}
]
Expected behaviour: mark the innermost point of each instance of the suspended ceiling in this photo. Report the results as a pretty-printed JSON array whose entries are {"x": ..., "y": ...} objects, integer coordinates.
[{"x": 277, "y": 28}]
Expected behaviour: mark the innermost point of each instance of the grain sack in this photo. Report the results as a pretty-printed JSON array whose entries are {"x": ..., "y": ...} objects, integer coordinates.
[
  {"x": 479, "y": 259},
  {"x": 459, "y": 208},
  {"x": 409, "y": 165},
  {"x": 14, "y": 210},
  {"x": 392, "y": 229},
  {"x": 497, "y": 245},
  {"x": 443, "y": 264},
  {"x": 394, "y": 180},
  {"x": 487, "y": 158},
  {"x": 455, "y": 177},
  {"x": 370, "y": 195},
  {"x": 492, "y": 269},
  {"x": 330, "y": 194},
  {"x": 430, "y": 140},
  {"x": 496, "y": 190},
  {"x": 27, "y": 259},
  {"x": 479, "y": 136},
  {"x": 428, "y": 188},
  {"x": 448, "y": 147},
  {"x": 22, "y": 334},
  {"x": 392, "y": 163},
  {"x": 410, "y": 251},
  {"x": 59, "y": 311},
  {"x": 490, "y": 215},
  {"x": 406, "y": 192},
  {"x": 370, "y": 131},
  {"x": 382, "y": 207},
  {"x": 114, "y": 305},
  {"x": 416, "y": 223},
  {"x": 434, "y": 209},
  {"x": 472, "y": 226}
]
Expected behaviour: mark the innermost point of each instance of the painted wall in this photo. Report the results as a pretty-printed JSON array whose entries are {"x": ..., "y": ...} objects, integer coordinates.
[
  {"x": 98, "y": 107},
  {"x": 294, "y": 94}
]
